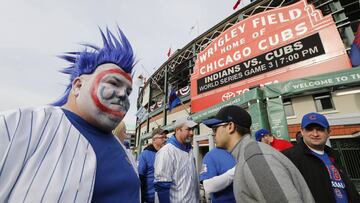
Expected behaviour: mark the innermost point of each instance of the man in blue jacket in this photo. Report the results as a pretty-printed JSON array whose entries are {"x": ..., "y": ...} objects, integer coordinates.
[{"x": 146, "y": 165}]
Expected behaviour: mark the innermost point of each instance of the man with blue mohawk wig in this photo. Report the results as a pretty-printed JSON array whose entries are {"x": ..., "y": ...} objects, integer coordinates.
[{"x": 66, "y": 152}]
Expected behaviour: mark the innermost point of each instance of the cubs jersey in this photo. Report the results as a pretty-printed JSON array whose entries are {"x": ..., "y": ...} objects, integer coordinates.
[
  {"x": 48, "y": 155},
  {"x": 216, "y": 162},
  {"x": 175, "y": 165},
  {"x": 43, "y": 158}
]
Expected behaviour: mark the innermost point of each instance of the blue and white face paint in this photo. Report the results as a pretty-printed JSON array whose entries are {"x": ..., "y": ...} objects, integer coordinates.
[{"x": 104, "y": 96}]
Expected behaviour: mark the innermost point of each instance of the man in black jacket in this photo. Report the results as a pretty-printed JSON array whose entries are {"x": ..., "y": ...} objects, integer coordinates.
[{"x": 327, "y": 180}]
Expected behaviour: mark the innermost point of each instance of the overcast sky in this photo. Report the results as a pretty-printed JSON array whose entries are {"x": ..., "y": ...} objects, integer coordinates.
[{"x": 34, "y": 32}]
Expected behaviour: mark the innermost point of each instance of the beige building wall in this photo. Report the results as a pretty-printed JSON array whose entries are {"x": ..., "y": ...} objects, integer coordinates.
[
  {"x": 346, "y": 104},
  {"x": 204, "y": 130},
  {"x": 301, "y": 105}
]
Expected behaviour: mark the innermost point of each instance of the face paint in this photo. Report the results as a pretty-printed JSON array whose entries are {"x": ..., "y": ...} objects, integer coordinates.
[
  {"x": 110, "y": 92},
  {"x": 104, "y": 96}
]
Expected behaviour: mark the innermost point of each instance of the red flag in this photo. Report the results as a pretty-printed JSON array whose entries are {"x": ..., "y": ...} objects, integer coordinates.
[
  {"x": 169, "y": 52},
  {"x": 236, "y": 4}
]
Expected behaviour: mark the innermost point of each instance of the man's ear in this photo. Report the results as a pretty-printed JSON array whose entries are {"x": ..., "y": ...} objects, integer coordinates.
[
  {"x": 231, "y": 127},
  {"x": 329, "y": 131},
  {"x": 302, "y": 131},
  {"x": 76, "y": 86}
]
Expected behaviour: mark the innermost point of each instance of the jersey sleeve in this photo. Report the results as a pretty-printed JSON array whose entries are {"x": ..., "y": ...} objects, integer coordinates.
[
  {"x": 164, "y": 166},
  {"x": 220, "y": 182},
  {"x": 208, "y": 169}
]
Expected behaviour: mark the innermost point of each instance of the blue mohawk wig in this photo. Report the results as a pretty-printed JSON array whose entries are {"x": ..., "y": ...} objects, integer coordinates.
[{"x": 114, "y": 51}]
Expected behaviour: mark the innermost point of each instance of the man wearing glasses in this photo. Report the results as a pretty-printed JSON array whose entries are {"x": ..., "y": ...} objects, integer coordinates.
[
  {"x": 176, "y": 178},
  {"x": 146, "y": 165},
  {"x": 262, "y": 174}
]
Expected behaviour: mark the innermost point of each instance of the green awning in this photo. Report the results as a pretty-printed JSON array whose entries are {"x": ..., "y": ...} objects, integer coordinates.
[{"x": 298, "y": 86}]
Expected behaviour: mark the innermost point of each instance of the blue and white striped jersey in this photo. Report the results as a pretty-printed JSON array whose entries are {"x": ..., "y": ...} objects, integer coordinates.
[
  {"x": 177, "y": 166},
  {"x": 43, "y": 158}
]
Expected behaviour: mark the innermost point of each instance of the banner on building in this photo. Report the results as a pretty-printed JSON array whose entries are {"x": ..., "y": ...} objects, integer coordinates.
[{"x": 273, "y": 46}]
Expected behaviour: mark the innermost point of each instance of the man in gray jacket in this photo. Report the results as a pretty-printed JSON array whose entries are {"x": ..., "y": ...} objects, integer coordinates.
[{"x": 262, "y": 174}]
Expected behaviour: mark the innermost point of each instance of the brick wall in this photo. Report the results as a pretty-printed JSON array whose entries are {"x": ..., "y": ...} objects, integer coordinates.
[{"x": 336, "y": 130}]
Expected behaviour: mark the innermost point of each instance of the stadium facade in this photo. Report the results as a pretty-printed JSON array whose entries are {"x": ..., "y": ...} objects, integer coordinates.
[{"x": 293, "y": 60}]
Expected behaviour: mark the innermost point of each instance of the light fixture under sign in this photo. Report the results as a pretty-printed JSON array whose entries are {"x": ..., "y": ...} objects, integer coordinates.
[{"x": 347, "y": 91}]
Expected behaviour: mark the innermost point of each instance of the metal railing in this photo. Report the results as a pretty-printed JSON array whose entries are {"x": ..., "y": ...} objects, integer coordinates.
[{"x": 349, "y": 151}]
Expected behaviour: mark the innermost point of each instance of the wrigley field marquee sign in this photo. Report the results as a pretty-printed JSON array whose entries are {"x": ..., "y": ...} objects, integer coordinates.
[{"x": 277, "y": 45}]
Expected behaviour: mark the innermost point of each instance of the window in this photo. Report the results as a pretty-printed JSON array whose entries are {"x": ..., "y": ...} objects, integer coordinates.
[
  {"x": 288, "y": 107},
  {"x": 323, "y": 102}
]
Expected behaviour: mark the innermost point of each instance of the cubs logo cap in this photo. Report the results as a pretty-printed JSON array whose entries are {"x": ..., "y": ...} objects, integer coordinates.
[{"x": 314, "y": 118}]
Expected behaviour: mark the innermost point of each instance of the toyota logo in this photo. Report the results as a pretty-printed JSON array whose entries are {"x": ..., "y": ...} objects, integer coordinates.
[{"x": 227, "y": 96}]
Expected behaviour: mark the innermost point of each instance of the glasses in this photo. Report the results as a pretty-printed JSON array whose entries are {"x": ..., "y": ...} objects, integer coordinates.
[{"x": 214, "y": 128}]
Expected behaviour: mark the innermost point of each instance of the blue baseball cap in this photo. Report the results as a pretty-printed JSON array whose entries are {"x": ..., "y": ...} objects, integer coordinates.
[
  {"x": 314, "y": 118},
  {"x": 261, "y": 133}
]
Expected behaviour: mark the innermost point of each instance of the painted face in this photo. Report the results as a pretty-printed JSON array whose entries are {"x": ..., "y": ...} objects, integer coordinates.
[
  {"x": 110, "y": 92},
  {"x": 104, "y": 96},
  {"x": 315, "y": 136}
]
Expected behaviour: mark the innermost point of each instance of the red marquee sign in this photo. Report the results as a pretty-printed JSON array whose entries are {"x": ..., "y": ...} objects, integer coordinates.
[{"x": 277, "y": 45}]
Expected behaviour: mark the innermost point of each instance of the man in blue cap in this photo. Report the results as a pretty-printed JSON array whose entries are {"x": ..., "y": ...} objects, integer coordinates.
[
  {"x": 266, "y": 137},
  {"x": 318, "y": 163}
]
